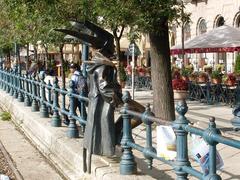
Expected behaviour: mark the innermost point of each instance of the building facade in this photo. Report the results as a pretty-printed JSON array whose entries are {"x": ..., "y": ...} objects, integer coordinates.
[{"x": 206, "y": 15}]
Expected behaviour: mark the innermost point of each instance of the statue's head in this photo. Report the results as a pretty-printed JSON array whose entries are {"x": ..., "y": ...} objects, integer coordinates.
[{"x": 92, "y": 35}]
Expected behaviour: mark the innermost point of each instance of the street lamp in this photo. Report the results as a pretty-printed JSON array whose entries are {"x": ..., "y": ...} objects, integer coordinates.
[{"x": 183, "y": 20}]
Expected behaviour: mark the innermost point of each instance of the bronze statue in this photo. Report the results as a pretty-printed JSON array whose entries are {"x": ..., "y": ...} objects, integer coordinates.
[{"x": 102, "y": 132}]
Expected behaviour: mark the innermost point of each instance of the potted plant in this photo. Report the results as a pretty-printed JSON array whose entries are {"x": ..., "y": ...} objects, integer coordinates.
[
  {"x": 216, "y": 77},
  {"x": 202, "y": 77},
  {"x": 180, "y": 87},
  {"x": 185, "y": 74},
  {"x": 207, "y": 69},
  {"x": 193, "y": 76},
  {"x": 229, "y": 79},
  {"x": 122, "y": 76},
  {"x": 141, "y": 71}
]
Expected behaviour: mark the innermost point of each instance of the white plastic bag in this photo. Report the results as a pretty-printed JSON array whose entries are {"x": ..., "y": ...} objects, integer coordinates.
[
  {"x": 201, "y": 155},
  {"x": 4, "y": 177},
  {"x": 166, "y": 142}
]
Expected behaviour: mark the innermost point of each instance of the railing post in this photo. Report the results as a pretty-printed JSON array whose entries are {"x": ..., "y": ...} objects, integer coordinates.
[
  {"x": 1, "y": 78},
  {"x": 208, "y": 133},
  {"x": 148, "y": 147},
  {"x": 236, "y": 111},
  {"x": 27, "y": 101},
  {"x": 65, "y": 118},
  {"x": 15, "y": 94},
  {"x": 20, "y": 94},
  {"x": 72, "y": 127},
  {"x": 35, "y": 106},
  {"x": 208, "y": 93},
  {"x": 127, "y": 165},
  {"x": 8, "y": 81},
  {"x": 83, "y": 113},
  {"x": 11, "y": 83},
  {"x": 43, "y": 109},
  {"x": 181, "y": 140},
  {"x": 49, "y": 88},
  {"x": 56, "y": 121}
]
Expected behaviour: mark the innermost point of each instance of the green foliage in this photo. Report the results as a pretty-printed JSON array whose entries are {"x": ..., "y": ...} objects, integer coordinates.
[
  {"x": 237, "y": 65},
  {"x": 122, "y": 73},
  {"x": 220, "y": 67},
  {"x": 5, "y": 116},
  {"x": 185, "y": 72},
  {"x": 216, "y": 75}
]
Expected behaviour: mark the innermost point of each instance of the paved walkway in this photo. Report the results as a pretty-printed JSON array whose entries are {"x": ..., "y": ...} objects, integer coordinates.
[{"x": 27, "y": 159}]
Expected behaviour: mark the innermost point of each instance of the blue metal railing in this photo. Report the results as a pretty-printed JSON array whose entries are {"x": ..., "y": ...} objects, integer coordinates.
[
  {"x": 181, "y": 164},
  {"x": 44, "y": 97}
]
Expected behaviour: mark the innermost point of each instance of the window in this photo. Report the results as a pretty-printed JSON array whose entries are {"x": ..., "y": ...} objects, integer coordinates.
[{"x": 202, "y": 26}]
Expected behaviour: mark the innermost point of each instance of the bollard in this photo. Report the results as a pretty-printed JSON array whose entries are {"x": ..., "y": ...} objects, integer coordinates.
[
  {"x": 43, "y": 109},
  {"x": 56, "y": 121},
  {"x": 27, "y": 101},
  {"x": 207, "y": 136},
  {"x": 148, "y": 147},
  {"x": 35, "y": 106},
  {"x": 72, "y": 127},
  {"x": 128, "y": 165},
  {"x": 20, "y": 94},
  {"x": 181, "y": 140}
]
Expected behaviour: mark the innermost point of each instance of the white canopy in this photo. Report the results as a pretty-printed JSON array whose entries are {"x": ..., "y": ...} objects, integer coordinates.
[{"x": 221, "y": 39}]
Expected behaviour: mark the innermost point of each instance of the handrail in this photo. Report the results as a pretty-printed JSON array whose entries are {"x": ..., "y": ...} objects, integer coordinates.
[
  {"x": 181, "y": 164},
  {"x": 34, "y": 92}
]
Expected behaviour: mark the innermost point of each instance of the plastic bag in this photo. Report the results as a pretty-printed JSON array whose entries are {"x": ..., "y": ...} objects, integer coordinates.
[
  {"x": 166, "y": 142},
  {"x": 201, "y": 155},
  {"x": 4, "y": 177}
]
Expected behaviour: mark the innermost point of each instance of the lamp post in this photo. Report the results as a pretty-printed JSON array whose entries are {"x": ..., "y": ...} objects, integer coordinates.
[{"x": 183, "y": 21}]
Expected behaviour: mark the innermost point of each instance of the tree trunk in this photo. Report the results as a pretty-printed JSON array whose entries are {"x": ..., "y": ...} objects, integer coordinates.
[
  {"x": 62, "y": 67},
  {"x": 117, "y": 38},
  {"x": 163, "y": 104},
  {"x": 118, "y": 50},
  {"x": 35, "y": 54}
]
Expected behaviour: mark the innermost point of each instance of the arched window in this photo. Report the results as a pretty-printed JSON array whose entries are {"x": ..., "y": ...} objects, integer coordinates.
[
  {"x": 236, "y": 20},
  {"x": 187, "y": 32},
  {"x": 202, "y": 27},
  {"x": 219, "y": 21}
]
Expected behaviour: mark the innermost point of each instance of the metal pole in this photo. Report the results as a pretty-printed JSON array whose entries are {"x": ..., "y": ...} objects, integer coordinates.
[
  {"x": 182, "y": 13},
  {"x": 133, "y": 67},
  {"x": 85, "y": 50}
]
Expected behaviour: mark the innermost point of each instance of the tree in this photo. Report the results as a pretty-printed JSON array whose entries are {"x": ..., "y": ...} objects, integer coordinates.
[{"x": 115, "y": 16}]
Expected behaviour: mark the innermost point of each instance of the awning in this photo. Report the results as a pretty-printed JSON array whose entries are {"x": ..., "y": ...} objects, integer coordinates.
[{"x": 221, "y": 39}]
